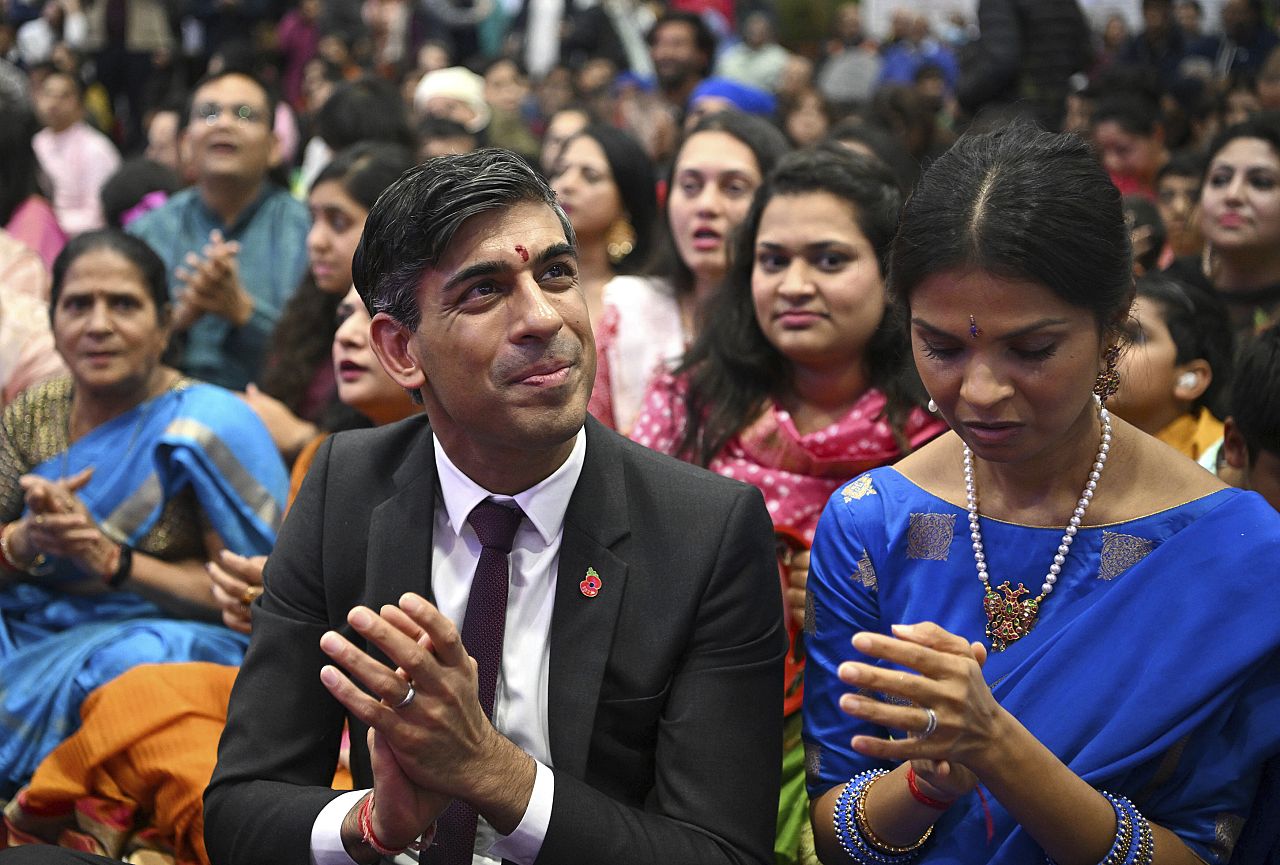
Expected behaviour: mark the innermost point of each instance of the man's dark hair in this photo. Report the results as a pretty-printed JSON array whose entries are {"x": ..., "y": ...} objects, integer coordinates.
[
  {"x": 267, "y": 93},
  {"x": 1255, "y": 394},
  {"x": 412, "y": 224},
  {"x": 702, "y": 35}
]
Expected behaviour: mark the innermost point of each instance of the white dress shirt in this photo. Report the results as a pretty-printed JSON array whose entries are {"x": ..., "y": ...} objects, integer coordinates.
[{"x": 520, "y": 699}]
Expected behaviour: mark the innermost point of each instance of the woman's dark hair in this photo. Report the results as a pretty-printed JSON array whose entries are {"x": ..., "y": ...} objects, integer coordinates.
[
  {"x": 367, "y": 109},
  {"x": 303, "y": 337},
  {"x": 733, "y": 368},
  {"x": 132, "y": 182},
  {"x": 1264, "y": 126},
  {"x": 1021, "y": 204},
  {"x": 765, "y": 141},
  {"x": 20, "y": 174},
  {"x": 634, "y": 175},
  {"x": 135, "y": 250},
  {"x": 1200, "y": 328}
]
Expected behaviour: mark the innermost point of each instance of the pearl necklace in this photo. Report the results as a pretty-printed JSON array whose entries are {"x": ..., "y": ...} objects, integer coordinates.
[{"x": 1010, "y": 618}]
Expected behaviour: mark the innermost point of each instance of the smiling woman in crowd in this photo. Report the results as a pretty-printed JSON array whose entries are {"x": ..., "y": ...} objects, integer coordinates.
[{"x": 119, "y": 482}]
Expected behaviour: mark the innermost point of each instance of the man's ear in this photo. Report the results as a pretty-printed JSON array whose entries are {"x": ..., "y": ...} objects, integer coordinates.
[
  {"x": 392, "y": 342},
  {"x": 1234, "y": 449}
]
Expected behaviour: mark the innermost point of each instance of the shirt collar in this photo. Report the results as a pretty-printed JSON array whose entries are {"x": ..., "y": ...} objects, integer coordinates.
[{"x": 544, "y": 503}]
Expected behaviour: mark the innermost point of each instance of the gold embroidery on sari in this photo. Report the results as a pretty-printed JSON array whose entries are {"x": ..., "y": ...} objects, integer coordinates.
[
  {"x": 867, "y": 572},
  {"x": 1121, "y": 552},
  {"x": 858, "y": 489},
  {"x": 929, "y": 536}
]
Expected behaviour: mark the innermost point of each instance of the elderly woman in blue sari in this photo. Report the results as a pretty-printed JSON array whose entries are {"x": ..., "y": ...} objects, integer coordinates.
[
  {"x": 1045, "y": 635},
  {"x": 117, "y": 484}
]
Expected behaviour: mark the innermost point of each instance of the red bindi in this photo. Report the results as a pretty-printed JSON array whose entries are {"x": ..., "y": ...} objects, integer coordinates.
[{"x": 524, "y": 253}]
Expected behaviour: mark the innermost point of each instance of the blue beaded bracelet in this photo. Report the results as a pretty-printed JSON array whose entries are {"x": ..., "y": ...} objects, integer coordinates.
[{"x": 850, "y": 827}]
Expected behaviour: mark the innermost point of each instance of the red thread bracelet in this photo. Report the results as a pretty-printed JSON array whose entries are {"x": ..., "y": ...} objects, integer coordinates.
[
  {"x": 364, "y": 818},
  {"x": 920, "y": 796}
]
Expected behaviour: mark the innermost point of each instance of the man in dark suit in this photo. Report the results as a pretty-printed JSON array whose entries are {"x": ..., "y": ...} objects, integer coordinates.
[{"x": 636, "y": 715}]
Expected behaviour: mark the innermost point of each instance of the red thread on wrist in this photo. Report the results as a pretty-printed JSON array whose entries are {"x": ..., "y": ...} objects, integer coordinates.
[
  {"x": 923, "y": 798},
  {"x": 364, "y": 818}
]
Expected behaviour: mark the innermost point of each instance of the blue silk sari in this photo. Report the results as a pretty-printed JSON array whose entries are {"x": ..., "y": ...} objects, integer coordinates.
[
  {"x": 1153, "y": 671},
  {"x": 57, "y": 644}
]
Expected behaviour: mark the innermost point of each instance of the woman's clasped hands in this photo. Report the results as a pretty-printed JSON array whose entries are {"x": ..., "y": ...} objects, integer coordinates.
[
  {"x": 58, "y": 523},
  {"x": 946, "y": 708}
]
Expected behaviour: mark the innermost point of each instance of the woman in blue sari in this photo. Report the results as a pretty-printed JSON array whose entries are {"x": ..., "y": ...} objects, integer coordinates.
[
  {"x": 1045, "y": 634},
  {"x": 117, "y": 484}
]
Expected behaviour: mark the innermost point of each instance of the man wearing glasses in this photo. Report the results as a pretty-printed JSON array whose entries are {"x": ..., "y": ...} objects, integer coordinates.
[{"x": 235, "y": 242}]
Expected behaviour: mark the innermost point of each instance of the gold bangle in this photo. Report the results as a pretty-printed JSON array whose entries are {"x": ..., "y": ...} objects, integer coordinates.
[
  {"x": 864, "y": 827},
  {"x": 6, "y": 554}
]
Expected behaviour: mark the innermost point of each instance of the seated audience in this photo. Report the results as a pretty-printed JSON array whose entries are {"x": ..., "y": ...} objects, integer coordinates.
[
  {"x": 119, "y": 482},
  {"x": 799, "y": 381},
  {"x": 234, "y": 243},
  {"x": 1000, "y": 701}
]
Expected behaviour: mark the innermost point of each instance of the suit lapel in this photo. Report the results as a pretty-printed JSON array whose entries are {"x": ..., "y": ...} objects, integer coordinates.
[
  {"x": 582, "y": 627},
  {"x": 400, "y": 530}
]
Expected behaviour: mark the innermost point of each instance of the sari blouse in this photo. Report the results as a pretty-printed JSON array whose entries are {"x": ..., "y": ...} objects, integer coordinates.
[{"x": 1152, "y": 671}]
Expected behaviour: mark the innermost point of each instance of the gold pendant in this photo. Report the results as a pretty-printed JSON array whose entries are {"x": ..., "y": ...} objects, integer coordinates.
[{"x": 1009, "y": 618}]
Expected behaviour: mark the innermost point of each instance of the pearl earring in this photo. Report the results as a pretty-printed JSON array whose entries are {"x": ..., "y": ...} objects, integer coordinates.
[{"x": 932, "y": 406}]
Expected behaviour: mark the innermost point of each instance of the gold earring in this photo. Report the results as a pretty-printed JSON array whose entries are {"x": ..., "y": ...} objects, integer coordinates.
[
  {"x": 620, "y": 239},
  {"x": 1108, "y": 381}
]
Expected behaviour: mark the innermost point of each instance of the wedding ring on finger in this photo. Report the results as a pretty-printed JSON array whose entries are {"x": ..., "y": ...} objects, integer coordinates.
[
  {"x": 250, "y": 594},
  {"x": 931, "y": 724},
  {"x": 408, "y": 698}
]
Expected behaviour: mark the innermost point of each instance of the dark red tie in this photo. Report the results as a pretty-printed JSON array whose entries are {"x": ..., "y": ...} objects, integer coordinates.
[{"x": 482, "y": 629}]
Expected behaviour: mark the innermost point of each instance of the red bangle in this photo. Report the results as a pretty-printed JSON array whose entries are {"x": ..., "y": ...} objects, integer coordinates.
[
  {"x": 364, "y": 818},
  {"x": 921, "y": 797}
]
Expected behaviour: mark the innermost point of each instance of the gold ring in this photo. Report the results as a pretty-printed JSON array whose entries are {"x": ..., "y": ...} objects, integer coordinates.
[{"x": 250, "y": 594}]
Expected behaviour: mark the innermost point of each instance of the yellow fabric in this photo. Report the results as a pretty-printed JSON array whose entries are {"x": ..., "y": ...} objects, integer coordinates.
[{"x": 1192, "y": 434}]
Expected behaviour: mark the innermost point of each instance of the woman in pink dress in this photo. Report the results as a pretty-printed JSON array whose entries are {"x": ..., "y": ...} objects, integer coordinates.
[{"x": 801, "y": 380}]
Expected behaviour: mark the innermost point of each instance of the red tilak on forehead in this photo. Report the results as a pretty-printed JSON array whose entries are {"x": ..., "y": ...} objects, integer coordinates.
[{"x": 524, "y": 253}]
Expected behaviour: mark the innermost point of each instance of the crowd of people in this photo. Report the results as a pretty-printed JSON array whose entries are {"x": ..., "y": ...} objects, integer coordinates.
[{"x": 930, "y": 376}]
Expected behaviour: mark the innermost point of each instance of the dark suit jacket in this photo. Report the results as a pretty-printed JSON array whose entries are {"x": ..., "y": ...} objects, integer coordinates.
[{"x": 665, "y": 690}]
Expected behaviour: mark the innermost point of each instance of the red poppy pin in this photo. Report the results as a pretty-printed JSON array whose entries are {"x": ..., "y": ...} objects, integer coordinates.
[{"x": 591, "y": 585}]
